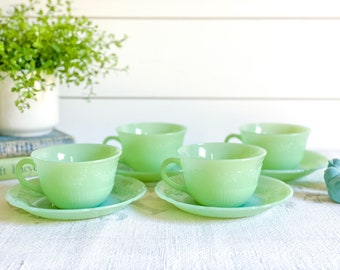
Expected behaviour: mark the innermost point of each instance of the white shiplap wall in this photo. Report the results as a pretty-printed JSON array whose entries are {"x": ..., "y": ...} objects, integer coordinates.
[{"x": 213, "y": 65}]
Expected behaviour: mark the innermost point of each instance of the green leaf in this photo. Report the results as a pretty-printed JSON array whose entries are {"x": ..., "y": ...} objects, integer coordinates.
[{"x": 35, "y": 40}]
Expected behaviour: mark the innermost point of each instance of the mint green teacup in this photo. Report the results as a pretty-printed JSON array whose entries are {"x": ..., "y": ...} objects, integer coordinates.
[
  {"x": 285, "y": 143},
  {"x": 146, "y": 145},
  {"x": 73, "y": 176},
  {"x": 217, "y": 174}
]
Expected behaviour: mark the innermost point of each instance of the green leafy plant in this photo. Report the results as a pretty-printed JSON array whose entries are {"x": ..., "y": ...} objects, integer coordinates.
[{"x": 38, "y": 39}]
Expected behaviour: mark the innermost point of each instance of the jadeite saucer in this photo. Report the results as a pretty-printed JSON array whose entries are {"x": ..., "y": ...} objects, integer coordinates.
[
  {"x": 124, "y": 169},
  {"x": 269, "y": 192},
  {"x": 125, "y": 191},
  {"x": 311, "y": 162}
]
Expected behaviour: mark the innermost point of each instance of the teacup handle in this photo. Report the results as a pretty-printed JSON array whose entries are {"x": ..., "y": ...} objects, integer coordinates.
[
  {"x": 111, "y": 138},
  {"x": 167, "y": 179},
  {"x": 22, "y": 179},
  {"x": 117, "y": 139},
  {"x": 233, "y": 135}
]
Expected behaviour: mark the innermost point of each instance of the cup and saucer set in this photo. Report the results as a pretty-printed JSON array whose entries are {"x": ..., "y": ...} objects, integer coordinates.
[
  {"x": 75, "y": 181},
  {"x": 216, "y": 179}
]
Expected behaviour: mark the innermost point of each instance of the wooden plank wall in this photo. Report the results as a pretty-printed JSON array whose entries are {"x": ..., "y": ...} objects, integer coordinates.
[{"x": 213, "y": 65}]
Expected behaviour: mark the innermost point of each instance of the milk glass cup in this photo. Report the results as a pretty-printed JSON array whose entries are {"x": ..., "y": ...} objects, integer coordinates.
[
  {"x": 217, "y": 174},
  {"x": 285, "y": 143},
  {"x": 146, "y": 145},
  {"x": 73, "y": 176}
]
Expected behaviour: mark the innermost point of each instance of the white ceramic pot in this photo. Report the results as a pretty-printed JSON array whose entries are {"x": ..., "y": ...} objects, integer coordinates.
[{"x": 40, "y": 119}]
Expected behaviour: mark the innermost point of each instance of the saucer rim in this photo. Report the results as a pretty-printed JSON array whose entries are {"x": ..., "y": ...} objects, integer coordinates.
[
  {"x": 227, "y": 212},
  {"x": 72, "y": 214},
  {"x": 292, "y": 174}
]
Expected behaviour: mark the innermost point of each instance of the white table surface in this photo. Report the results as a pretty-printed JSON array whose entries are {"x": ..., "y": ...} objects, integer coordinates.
[{"x": 301, "y": 233}]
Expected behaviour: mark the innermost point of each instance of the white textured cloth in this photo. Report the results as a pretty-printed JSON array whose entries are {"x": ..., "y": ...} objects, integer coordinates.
[{"x": 302, "y": 233}]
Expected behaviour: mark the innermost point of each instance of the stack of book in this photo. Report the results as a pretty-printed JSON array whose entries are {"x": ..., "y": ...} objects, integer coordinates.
[{"x": 12, "y": 149}]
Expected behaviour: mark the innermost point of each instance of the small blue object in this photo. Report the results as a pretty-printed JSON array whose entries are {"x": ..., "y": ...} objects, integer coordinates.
[{"x": 332, "y": 179}]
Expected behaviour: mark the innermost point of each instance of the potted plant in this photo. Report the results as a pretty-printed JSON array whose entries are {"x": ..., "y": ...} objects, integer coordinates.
[{"x": 41, "y": 45}]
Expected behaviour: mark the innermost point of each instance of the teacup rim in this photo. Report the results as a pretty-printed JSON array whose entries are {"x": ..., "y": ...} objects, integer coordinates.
[
  {"x": 181, "y": 128},
  {"x": 304, "y": 129},
  {"x": 117, "y": 154},
  {"x": 261, "y": 151}
]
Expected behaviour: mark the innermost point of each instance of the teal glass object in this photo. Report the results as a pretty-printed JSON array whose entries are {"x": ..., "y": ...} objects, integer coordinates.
[{"x": 332, "y": 179}]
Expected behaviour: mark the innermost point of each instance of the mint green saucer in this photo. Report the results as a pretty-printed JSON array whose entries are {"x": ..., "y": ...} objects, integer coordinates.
[
  {"x": 311, "y": 162},
  {"x": 269, "y": 192},
  {"x": 125, "y": 191},
  {"x": 124, "y": 169}
]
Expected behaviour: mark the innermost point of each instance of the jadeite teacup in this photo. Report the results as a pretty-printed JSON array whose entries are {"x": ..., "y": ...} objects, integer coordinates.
[
  {"x": 73, "y": 176},
  {"x": 217, "y": 174},
  {"x": 285, "y": 143},
  {"x": 146, "y": 145}
]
